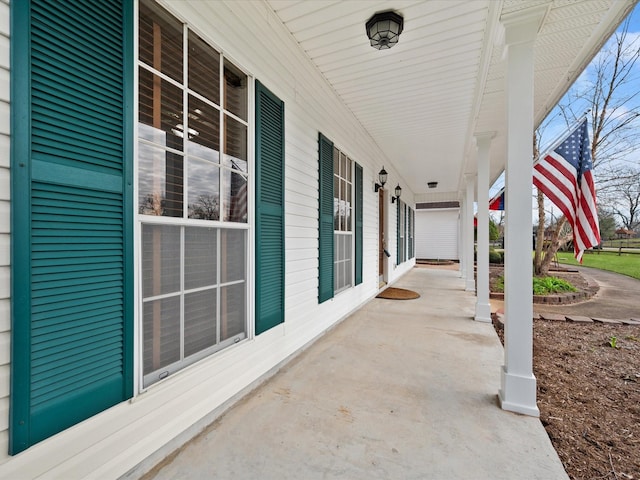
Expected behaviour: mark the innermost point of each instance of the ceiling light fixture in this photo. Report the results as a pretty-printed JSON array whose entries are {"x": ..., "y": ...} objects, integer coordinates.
[{"x": 384, "y": 29}]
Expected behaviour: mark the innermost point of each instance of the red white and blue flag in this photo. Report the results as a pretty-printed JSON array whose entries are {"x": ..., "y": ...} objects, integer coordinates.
[
  {"x": 564, "y": 176},
  {"x": 497, "y": 202}
]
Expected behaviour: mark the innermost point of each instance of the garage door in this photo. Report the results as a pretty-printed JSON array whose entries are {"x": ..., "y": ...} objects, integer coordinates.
[{"x": 437, "y": 234}]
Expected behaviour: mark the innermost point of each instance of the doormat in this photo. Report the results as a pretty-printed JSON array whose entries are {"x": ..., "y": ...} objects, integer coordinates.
[{"x": 393, "y": 293}]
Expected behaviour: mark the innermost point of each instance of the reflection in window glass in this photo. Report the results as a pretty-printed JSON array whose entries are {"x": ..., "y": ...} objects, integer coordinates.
[
  {"x": 235, "y": 198},
  {"x": 160, "y": 39},
  {"x": 235, "y": 91},
  {"x": 204, "y": 125},
  {"x": 204, "y": 68},
  {"x": 159, "y": 182},
  {"x": 160, "y": 106},
  {"x": 204, "y": 190},
  {"x": 235, "y": 142}
]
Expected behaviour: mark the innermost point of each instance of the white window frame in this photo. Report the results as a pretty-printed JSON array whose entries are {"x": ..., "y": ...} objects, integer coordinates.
[{"x": 140, "y": 379}]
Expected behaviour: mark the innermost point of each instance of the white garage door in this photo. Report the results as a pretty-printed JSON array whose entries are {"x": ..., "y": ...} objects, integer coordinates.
[{"x": 437, "y": 234}]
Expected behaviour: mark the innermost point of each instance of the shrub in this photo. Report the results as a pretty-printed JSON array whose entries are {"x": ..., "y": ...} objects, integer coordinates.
[
  {"x": 546, "y": 285},
  {"x": 542, "y": 285},
  {"x": 495, "y": 257}
]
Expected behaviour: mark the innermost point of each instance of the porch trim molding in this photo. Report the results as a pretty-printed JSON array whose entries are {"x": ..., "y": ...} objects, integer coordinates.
[{"x": 518, "y": 384}]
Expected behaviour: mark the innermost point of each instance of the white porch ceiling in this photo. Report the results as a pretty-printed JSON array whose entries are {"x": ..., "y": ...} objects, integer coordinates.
[{"x": 423, "y": 100}]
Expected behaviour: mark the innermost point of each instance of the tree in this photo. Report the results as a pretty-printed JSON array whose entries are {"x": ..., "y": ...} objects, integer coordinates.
[
  {"x": 608, "y": 91},
  {"x": 607, "y": 224},
  {"x": 494, "y": 232},
  {"x": 621, "y": 195}
]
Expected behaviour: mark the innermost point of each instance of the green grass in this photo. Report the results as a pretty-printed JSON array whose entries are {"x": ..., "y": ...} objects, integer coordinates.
[{"x": 626, "y": 264}]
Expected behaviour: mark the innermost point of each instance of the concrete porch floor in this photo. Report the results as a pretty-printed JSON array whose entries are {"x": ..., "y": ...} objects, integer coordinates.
[{"x": 398, "y": 390}]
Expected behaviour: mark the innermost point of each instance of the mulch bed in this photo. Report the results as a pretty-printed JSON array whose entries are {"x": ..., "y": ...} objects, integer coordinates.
[
  {"x": 589, "y": 395},
  {"x": 585, "y": 289}
]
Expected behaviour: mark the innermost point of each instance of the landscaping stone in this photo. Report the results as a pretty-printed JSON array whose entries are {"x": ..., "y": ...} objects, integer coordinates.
[
  {"x": 553, "y": 316},
  {"x": 579, "y": 319},
  {"x": 607, "y": 320}
]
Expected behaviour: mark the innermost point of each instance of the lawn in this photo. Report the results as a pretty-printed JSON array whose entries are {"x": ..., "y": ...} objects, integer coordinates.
[{"x": 626, "y": 264}]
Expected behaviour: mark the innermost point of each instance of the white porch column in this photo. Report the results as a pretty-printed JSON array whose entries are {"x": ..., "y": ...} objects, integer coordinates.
[
  {"x": 461, "y": 233},
  {"x": 483, "y": 308},
  {"x": 470, "y": 283},
  {"x": 518, "y": 385}
]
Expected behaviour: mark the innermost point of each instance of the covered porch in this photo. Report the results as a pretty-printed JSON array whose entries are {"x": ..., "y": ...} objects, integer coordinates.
[{"x": 399, "y": 389}]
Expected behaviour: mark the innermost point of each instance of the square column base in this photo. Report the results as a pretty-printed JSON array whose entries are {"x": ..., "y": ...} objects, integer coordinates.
[
  {"x": 471, "y": 285},
  {"x": 518, "y": 394},
  {"x": 483, "y": 312}
]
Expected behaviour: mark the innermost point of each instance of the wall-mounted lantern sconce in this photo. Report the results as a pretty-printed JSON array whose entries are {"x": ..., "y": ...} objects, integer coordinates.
[
  {"x": 384, "y": 29},
  {"x": 398, "y": 192},
  {"x": 382, "y": 178},
  {"x": 432, "y": 184}
]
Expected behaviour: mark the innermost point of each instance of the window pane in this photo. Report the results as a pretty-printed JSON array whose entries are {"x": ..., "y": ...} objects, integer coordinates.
[
  {"x": 232, "y": 253},
  {"x": 200, "y": 257},
  {"x": 204, "y": 129},
  {"x": 235, "y": 144},
  {"x": 336, "y": 164},
  {"x": 160, "y": 107},
  {"x": 235, "y": 199},
  {"x": 204, "y": 69},
  {"x": 348, "y": 172},
  {"x": 343, "y": 206},
  {"x": 336, "y": 203},
  {"x": 232, "y": 310},
  {"x": 161, "y": 333},
  {"x": 199, "y": 321},
  {"x": 160, "y": 260},
  {"x": 159, "y": 182},
  {"x": 235, "y": 91},
  {"x": 204, "y": 190},
  {"x": 347, "y": 210},
  {"x": 160, "y": 40},
  {"x": 343, "y": 165}
]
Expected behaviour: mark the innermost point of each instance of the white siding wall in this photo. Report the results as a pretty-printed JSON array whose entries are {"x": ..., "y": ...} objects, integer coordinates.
[
  {"x": 167, "y": 414},
  {"x": 5, "y": 308},
  {"x": 437, "y": 234}
]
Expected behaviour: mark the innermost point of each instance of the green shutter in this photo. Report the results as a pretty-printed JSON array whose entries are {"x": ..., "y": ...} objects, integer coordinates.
[
  {"x": 72, "y": 278},
  {"x": 406, "y": 236},
  {"x": 358, "y": 230},
  {"x": 269, "y": 209},
  {"x": 325, "y": 219},
  {"x": 398, "y": 239}
]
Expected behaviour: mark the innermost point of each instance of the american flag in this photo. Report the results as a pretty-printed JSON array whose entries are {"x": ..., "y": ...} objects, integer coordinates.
[
  {"x": 497, "y": 202},
  {"x": 564, "y": 176}
]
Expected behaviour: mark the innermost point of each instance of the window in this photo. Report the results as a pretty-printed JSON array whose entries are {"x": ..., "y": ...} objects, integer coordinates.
[
  {"x": 192, "y": 195},
  {"x": 402, "y": 253},
  {"x": 339, "y": 233},
  {"x": 342, "y": 228}
]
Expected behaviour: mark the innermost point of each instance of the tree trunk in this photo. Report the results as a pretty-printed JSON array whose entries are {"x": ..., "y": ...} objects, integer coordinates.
[
  {"x": 552, "y": 248},
  {"x": 537, "y": 259}
]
